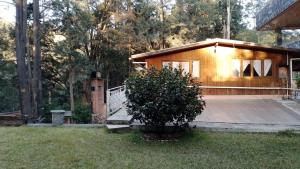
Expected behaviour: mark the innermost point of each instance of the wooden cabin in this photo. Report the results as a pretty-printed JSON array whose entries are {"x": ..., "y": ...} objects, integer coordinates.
[{"x": 228, "y": 67}]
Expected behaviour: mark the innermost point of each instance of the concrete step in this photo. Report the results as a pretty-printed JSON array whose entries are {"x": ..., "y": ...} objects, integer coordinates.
[
  {"x": 120, "y": 117},
  {"x": 118, "y": 128},
  {"x": 117, "y": 120}
]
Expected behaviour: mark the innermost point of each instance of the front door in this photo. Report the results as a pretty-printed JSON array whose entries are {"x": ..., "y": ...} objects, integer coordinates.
[{"x": 295, "y": 72}]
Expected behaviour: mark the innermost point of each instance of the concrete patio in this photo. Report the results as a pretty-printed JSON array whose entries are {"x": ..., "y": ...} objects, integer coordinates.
[
  {"x": 240, "y": 113},
  {"x": 250, "y": 109}
]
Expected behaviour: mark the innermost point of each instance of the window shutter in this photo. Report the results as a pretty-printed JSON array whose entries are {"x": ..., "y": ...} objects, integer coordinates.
[
  {"x": 257, "y": 67},
  {"x": 268, "y": 67},
  {"x": 196, "y": 69},
  {"x": 236, "y": 67}
]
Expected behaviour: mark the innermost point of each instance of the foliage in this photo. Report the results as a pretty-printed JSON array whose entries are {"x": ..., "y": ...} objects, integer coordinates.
[
  {"x": 297, "y": 79},
  {"x": 192, "y": 20},
  {"x": 55, "y": 105},
  {"x": 9, "y": 93},
  {"x": 158, "y": 97},
  {"x": 82, "y": 113},
  {"x": 87, "y": 36}
]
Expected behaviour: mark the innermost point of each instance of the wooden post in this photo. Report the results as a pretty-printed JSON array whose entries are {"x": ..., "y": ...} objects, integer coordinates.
[
  {"x": 279, "y": 39},
  {"x": 107, "y": 102}
]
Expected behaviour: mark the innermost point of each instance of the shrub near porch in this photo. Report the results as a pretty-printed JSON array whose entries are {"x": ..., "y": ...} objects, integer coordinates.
[{"x": 158, "y": 97}]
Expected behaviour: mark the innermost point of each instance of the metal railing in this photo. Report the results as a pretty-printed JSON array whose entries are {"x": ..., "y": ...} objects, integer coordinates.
[
  {"x": 249, "y": 88},
  {"x": 115, "y": 99},
  {"x": 288, "y": 91}
]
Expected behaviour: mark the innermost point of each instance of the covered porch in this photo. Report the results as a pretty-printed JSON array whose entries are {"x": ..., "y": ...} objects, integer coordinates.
[{"x": 279, "y": 14}]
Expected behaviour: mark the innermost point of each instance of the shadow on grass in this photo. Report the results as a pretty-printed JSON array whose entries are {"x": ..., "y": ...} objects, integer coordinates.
[
  {"x": 193, "y": 135},
  {"x": 288, "y": 133}
]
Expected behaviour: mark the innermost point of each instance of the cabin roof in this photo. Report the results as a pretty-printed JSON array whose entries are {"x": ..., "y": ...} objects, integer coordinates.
[
  {"x": 279, "y": 14},
  {"x": 212, "y": 42}
]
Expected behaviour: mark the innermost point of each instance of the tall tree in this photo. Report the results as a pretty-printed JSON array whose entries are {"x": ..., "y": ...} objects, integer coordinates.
[
  {"x": 228, "y": 20},
  {"x": 163, "y": 23},
  {"x": 24, "y": 82},
  {"x": 37, "y": 75}
]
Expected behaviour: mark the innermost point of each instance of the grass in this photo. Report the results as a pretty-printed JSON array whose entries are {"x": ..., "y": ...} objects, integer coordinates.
[{"x": 36, "y": 148}]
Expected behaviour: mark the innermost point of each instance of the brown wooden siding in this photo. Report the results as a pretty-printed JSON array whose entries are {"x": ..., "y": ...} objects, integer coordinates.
[{"x": 216, "y": 69}]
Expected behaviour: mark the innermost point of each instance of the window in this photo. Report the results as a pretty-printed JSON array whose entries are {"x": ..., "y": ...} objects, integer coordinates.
[
  {"x": 175, "y": 65},
  {"x": 166, "y": 64},
  {"x": 196, "y": 69},
  {"x": 185, "y": 66},
  {"x": 246, "y": 68},
  {"x": 252, "y": 68},
  {"x": 139, "y": 66},
  {"x": 257, "y": 68},
  {"x": 236, "y": 68},
  {"x": 268, "y": 67}
]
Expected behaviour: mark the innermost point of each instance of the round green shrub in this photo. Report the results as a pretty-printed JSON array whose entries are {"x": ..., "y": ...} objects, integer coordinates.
[{"x": 161, "y": 97}]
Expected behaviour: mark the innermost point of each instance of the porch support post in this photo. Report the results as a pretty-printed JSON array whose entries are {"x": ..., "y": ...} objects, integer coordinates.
[
  {"x": 291, "y": 72},
  {"x": 279, "y": 39}
]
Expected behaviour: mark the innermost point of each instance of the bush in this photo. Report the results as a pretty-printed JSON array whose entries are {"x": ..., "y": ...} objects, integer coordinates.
[
  {"x": 47, "y": 115},
  {"x": 297, "y": 79},
  {"x": 159, "y": 97},
  {"x": 82, "y": 114}
]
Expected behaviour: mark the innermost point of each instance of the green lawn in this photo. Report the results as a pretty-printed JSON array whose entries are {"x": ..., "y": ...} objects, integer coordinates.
[{"x": 41, "y": 148}]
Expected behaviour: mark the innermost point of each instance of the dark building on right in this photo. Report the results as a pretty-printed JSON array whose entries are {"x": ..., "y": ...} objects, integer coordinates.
[{"x": 281, "y": 15}]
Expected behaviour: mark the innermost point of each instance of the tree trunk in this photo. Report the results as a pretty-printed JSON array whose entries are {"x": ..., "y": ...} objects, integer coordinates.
[
  {"x": 71, "y": 88},
  {"x": 49, "y": 97},
  {"x": 107, "y": 80},
  {"x": 162, "y": 18},
  {"x": 37, "y": 75},
  {"x": 24, "y": 84},
  {"x": 228, "y": 19}
]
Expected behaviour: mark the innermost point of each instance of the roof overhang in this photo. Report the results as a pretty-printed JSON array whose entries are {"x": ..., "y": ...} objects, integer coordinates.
[
  {"x": 283, "y": 14},
  {"x": 212, "y": 42},
  {"x": 295, "y": 45}
]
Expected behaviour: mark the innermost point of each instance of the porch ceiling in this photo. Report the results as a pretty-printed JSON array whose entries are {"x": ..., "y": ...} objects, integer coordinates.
[{"x": 283, "y": 14}]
